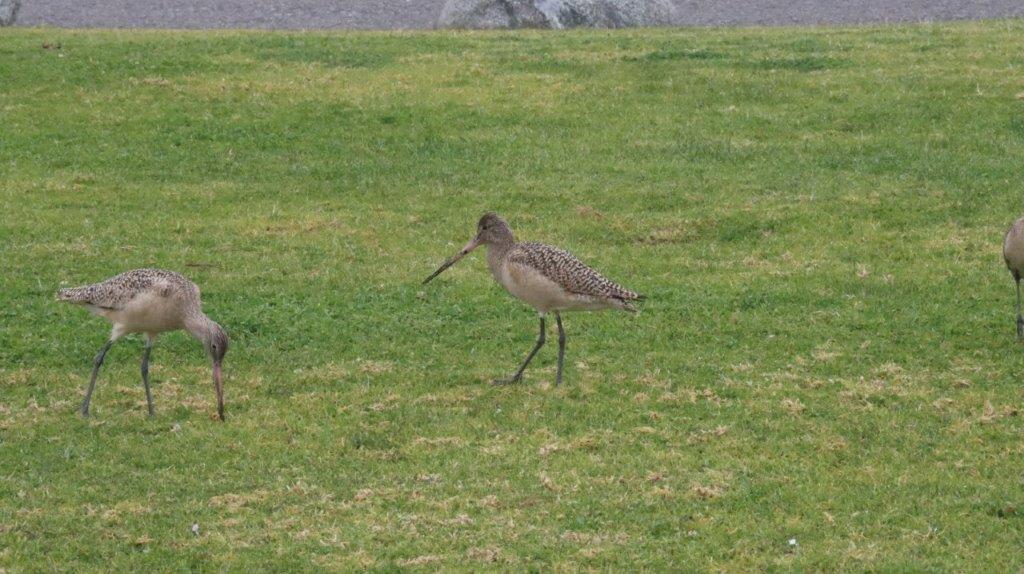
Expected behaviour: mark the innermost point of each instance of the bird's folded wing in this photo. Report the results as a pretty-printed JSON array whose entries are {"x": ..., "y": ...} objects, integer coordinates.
[
  {"x": 117, "y": 292},
  {"x": 567, "y": 271}
]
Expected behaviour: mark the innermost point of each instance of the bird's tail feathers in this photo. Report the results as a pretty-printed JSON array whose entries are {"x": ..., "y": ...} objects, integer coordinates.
[
  {"x": 627, "y": 304},
  {"x": 73, "y": 295},
  {"x": 630, "y": 297}
]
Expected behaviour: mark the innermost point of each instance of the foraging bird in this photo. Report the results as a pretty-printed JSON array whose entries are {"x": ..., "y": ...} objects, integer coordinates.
[
  {"x": 1013, "y": 253},
  {"x": 150, "y": 301},
  {"x": 547, "y": 278}
]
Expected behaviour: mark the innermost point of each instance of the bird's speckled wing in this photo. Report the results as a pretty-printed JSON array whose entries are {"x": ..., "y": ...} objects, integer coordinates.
[
  {"x": 118, "y": 291},
  {"x": 568, "y": 272}
]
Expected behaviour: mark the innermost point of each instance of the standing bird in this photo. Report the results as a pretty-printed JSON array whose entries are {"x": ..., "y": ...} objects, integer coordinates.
[
  {"x": 1013, "y": 253},
  {"x": 545, "y": 277},
  {"x": 150, "y": 301}
]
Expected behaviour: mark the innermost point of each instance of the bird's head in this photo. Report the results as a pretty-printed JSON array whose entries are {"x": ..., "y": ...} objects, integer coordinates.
[
  {"x": 493, "y": 229},
  {"x": 490, "y": 230},
  {"x": 215, "y": 341}
]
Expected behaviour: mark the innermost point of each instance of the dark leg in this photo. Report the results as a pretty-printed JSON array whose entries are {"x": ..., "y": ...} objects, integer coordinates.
[
  {"x": 145, "y": 374},
  {"x": 519, "y": 374},
  {"x": 1020, "y": 319},
  {"x": 96, "y": 364},
  {"x": 561, "y": 348}
]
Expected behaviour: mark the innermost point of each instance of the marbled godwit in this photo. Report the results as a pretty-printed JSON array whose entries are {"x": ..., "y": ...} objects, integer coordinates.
[
  {"x": 1013, "y": 253},
  {"x": 547, "y": 278},
  {"x": 150, "y": 301}
]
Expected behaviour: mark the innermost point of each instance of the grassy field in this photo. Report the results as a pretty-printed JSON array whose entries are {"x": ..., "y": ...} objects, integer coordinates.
[{"x": 827, "y": 353}]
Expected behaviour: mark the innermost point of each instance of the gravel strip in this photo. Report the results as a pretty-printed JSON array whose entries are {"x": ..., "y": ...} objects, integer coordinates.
[{"x": 407, "y": 14}]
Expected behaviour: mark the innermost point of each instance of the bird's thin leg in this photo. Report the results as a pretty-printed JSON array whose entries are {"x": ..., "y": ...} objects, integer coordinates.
[
  {"x": 96, "y": 364},
  {"x": 145, "y": 373},
  {"x": 519, "y": 373},
  {"x": 561, "y": 348},
  {"x": 1020, "y": 319}
]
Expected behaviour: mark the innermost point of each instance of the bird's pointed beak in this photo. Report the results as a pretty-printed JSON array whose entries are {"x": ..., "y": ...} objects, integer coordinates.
[
  {"x": 473, "y": 244},
  {"x": 217, "y": 385}
]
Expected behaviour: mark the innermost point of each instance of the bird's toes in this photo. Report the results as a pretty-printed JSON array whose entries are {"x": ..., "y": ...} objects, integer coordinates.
[{"x": 503, "y": 382}]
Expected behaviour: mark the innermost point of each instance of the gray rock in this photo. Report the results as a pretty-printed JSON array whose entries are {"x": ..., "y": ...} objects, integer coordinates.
[
  {"x": 8, "y": 11},
  {"x": 555, "y": 13}
]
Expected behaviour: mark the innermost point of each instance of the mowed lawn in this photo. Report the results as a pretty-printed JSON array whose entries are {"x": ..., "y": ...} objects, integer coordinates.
[{"x": 824, "y": 376}]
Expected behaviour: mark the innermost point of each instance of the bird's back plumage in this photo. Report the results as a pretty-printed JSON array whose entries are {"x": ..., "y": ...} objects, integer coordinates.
[
  {"x": 115, "y": 293},
  {"x": 571, "y": 274}
]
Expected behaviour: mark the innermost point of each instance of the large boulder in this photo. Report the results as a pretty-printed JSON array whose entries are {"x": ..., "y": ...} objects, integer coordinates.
[
  {"x": 555, "y": 13},
  {"x": 8, "y": 11}
]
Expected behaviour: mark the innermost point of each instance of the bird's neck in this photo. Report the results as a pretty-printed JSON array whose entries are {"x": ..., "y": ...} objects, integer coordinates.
[
  {"x": 496, "y": 254},
  {"x": 199, "y": 325}
]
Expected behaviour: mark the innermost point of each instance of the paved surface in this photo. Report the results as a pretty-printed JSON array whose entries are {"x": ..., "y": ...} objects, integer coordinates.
[{"x": 404, "y": 14}]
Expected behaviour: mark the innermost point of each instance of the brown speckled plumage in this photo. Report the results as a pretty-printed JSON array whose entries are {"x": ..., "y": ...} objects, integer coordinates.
[
  {"x": 549, "y": 279},
  {"x": 116, "y": 292},
  {"x": 150, "y": 301},
  {"x": 569, "y": 272}
]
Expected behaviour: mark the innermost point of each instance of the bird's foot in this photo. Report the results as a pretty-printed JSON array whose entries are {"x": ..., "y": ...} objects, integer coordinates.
[
  {"x": 510, "y": 381},
  {"x": 1020, "y": 327}
]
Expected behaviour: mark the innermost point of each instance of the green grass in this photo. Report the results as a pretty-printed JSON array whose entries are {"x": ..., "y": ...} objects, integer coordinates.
[{"x": 826, "y": 354}]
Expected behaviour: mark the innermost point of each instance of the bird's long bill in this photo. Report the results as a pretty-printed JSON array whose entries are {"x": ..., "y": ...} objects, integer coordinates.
[
  {"x": 217, "y": 385},
  {"x": 473, "y": 243}
]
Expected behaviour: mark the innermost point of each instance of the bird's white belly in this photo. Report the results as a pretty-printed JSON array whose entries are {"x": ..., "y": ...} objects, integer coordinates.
[
  {"x": 147, "y": 313},
  {"x": 543, "y": 294}
]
